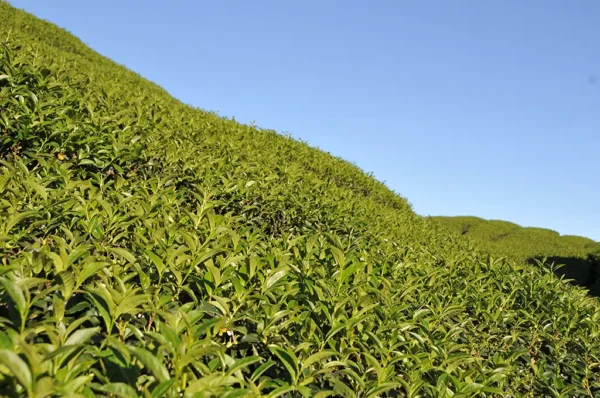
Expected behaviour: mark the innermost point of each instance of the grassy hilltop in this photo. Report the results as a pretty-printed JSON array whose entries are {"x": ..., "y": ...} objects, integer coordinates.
[
  {"x": 579, "y": 257},
  {"x": 152, "y": 249}
]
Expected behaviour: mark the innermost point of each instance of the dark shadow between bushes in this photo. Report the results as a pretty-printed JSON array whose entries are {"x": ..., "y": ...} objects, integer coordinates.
[{"x": 584, "y": 272}]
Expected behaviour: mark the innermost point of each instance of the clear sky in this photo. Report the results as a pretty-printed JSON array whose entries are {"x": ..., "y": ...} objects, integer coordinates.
[{"x": 485, "y": 108}]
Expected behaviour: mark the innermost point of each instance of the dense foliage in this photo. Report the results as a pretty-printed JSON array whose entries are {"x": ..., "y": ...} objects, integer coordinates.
[
  {"x": 577, "y": 257},
  {"x": 149, "y": 248}
]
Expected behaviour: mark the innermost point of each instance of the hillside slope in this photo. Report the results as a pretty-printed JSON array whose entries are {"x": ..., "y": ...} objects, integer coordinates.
[
  {"x": 153, "y": 249},
  {"x": 579, "y": 257}
]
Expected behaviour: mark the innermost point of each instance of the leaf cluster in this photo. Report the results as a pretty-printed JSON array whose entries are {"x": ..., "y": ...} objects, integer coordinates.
[{"x": 152, "y": 249}]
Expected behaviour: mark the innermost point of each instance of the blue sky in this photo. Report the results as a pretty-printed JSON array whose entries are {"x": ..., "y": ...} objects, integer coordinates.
[{"x": 486, "y": 108}]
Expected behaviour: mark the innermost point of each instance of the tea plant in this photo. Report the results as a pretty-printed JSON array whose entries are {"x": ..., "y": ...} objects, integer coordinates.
[
  {"x": 152, "y": 249},
  {"x": 574, "y": 257}
]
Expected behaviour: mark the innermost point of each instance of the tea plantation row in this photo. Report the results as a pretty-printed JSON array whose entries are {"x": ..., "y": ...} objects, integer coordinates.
[
  {"x": 152, "y": 249},
  {"x": 575, "y": 258}
]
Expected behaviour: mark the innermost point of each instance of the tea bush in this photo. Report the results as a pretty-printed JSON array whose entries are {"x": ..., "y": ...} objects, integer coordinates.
[
  {"x": 153, "y": 249},
  {"x": 577, "y": 257}
]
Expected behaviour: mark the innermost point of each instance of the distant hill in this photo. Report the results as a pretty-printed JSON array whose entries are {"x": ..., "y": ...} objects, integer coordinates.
[
  {"x": 580, "y": 256},
  {"x": 149, "y": 248}
]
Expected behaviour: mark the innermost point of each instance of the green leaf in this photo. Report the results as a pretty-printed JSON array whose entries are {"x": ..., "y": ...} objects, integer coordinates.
[
  {"x": 214, "y": 271},
  {"x": 77, "y": 253},
  {"x": 158, "y": 263},
  {"x": 250, "y": 338},
  {"x": 243, "y": 363},
  {"x": 89, "y": 270},
  {"x": 131, "y": 303},
  {"x": 261, "y": 369},
  {"x": 103, "y": 308},
  {"x": 16, "y": 294},
  {"x": 341, "y": 389},
  {"x": 211, "y": 381},
  {"x": 75, "y": 385},
  {"x": 288, "y": 358},
  {"x": 57, "y": 260},
  {"x": 493, "y": 390},
  {"x": 161, "y": 390},
  {"x": 62, "y": 352},
  {"x": 339, "y": 256},
  {"x": 208, "y": 254},
  {"x": 39, "y": 189},
  {"x": 18, "y": 367},
  {"x": 381, "y": 388},
  {"x": 348, "y": 271},
  {"x": 119, "y": 389},
  {"x": 150, "y": 362},
  {"x": 317, "y": 357},
  {"x": 17, "y": 218},
  {"x": 65, "y": 279},
  {"x": 279, "y": 391},
  {"x": 470, "y": 387},
  {"x": 273, "y": 279},
  {"x": 123, "y": 253},
  {"x": 43, "y": 387},
  {"x": 82, "y": 335},
  {"x": 324, "y": 394}
]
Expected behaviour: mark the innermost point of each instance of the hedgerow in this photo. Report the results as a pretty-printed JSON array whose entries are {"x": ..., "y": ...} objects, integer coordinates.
[
  {"x": 153, "y": 249},
  {"x": 575, "y": 258}
]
